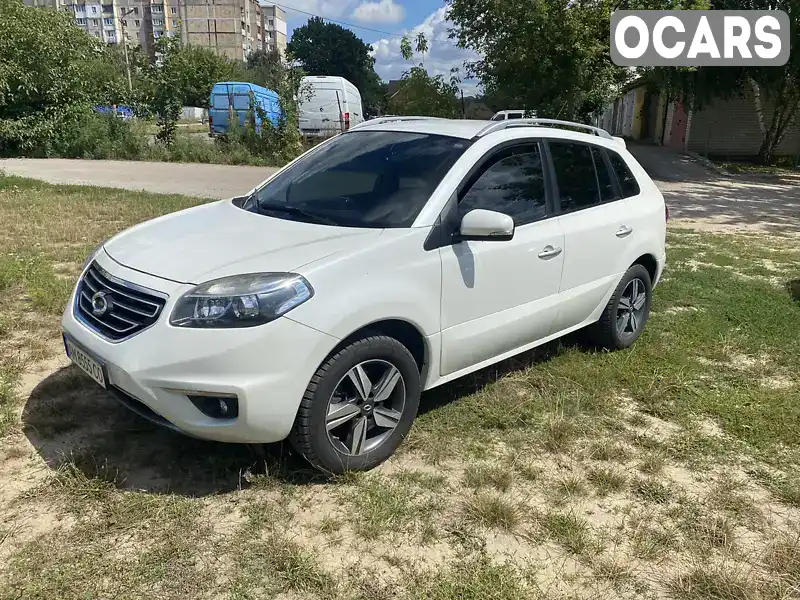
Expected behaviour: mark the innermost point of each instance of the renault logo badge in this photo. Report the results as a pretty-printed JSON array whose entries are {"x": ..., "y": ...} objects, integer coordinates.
[{"x": 101, "y": 304}]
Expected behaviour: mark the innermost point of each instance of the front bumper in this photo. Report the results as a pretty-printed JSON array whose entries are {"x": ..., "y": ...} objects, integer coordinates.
[{"x": 266, "y": 367}]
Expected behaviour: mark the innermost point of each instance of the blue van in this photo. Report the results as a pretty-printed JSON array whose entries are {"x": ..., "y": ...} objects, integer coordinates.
[{"x": 237, "y": 97}]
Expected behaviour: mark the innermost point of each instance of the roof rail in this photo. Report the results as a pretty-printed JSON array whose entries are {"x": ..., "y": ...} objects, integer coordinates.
[
  {"x": 497, "y": 126},
  {"x": 381, "y": 120}
]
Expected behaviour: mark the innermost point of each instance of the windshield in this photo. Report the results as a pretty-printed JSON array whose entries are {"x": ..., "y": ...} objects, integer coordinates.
[{"x": 372, "y": 179}]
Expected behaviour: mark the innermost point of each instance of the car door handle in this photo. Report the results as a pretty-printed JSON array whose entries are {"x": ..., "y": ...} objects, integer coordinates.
[
  {"x": 623, "y": 231},
  {"x": 549, "y": 251}
]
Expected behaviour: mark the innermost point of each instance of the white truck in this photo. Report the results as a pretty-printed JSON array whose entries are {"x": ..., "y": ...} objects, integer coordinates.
[{"x": 329, "y": 105}]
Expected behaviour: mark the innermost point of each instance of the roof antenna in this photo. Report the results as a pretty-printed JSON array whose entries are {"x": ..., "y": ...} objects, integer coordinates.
[{"x": 562, "y": 108}]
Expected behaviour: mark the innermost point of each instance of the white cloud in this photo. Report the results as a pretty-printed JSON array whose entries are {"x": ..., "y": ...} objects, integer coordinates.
[
  {"x": 385, "y": 11},
  {"x": 442, "y": 54},
  {"x": 332, "y": 9}
]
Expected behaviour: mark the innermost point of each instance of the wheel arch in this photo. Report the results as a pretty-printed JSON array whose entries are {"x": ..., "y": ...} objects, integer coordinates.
[
  {"x": 649, "y": 262},
  {"x": 405, "y": 332}
]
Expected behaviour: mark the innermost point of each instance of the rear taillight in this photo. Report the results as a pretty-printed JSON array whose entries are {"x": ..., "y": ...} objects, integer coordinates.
[
  {"x": 666, "y": 212},
  {"x": 347, "y": 120},
  {"x": 210, "y": 120}
]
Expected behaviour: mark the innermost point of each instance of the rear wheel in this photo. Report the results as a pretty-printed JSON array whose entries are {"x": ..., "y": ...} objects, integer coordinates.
[
  {"x": 359, "y": 406},
  {"x": 626, "y": 313}
]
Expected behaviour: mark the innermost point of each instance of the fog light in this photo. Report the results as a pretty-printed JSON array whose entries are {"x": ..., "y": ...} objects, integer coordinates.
[{"x": 217, "y": 407}]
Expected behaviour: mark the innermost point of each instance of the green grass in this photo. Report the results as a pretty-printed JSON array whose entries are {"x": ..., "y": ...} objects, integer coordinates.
[
  {"x": 706, "y": 583},
  {"x": 492, "y": 511},
  {"x": 652, "y": 464},
  {"x": 650, "y": 490},
  {"x": 754, "y": 168},
  {"x": 649, "y": 541},
  {"x": 497, "y": 476},
  {"x": 140, "y": 512},
  {"x": 606, "y": 480},
  {"x": 569, "y": 530},
  {"x": 378, "y": 507},
  {"x": 470, "y": 579}
]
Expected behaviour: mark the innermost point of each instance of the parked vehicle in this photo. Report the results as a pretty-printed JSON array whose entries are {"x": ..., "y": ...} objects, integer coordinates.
[
  {"x": 388, "y": 260},
  {"x": 513, "y": 114},
  {"x": 122, "y": 111},
  {"x": 334, "y": 106},
  {"x": 243, "y": 100}
]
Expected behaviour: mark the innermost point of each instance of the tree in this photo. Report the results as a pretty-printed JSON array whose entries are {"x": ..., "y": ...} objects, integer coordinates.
[
  {"x": 551, "y": 56},
  {"x": 330, "y": 49},
  {"x": 265, "y": 68},
  {"x": 45, "y": 82},
  {"x": 167, "y": 75},
  {"x": 780, "y": 85},
  {"x": 197, "y": 69},
  {"x": 421, "y": 94}
]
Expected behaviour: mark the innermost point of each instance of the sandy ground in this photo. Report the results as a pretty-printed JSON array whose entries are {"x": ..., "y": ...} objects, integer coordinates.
[
  {"x": 697, "y": 196},
  {"x": 705, "y": 200}
]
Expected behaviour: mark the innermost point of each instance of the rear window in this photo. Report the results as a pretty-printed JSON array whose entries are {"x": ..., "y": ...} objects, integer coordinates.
[
  {"x": 372, "y": 179},
  {"x": 627, "y": 182},
  {"x": 241, "y": 101},
  {"x": 219, "y": 101}
]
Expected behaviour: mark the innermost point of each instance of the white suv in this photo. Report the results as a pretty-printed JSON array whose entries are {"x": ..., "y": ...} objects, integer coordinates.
[{"x": 386, "y": 261}]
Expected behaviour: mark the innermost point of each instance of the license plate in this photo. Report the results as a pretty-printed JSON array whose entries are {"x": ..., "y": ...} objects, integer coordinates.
[{"x": 92, "y": 367}]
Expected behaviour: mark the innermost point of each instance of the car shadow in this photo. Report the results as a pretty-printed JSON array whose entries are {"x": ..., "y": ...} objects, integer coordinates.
[
  {"x": 474, "y": 382},
  {"x": 75, "y": 425},
  {"x": 793, "y": 287}
]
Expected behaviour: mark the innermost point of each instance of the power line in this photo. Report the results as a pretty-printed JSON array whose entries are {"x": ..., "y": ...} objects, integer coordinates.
[{"x": 285, "y": 7}]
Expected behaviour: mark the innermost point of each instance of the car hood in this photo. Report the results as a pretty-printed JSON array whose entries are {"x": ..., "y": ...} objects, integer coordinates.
[{"x": 219, "y": 239}]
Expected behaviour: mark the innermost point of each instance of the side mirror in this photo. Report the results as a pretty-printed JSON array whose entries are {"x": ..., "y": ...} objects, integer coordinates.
[{"x": 486, "y": 225}]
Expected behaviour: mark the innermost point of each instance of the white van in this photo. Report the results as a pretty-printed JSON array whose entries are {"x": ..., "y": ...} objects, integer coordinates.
[
  {"x": 503, "y": 115},
  {"x": 334, "y": 106}
]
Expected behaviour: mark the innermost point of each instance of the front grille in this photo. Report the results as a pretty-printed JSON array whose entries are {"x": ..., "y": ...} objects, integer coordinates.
[{"x": 129, "y": 308}]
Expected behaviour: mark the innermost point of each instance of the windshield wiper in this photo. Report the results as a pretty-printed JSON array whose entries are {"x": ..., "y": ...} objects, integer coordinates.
[{"x": 293, "y": 210}]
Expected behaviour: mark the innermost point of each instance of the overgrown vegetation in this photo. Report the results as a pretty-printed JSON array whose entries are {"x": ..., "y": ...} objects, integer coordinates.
[{"x": 53, "y": 75}]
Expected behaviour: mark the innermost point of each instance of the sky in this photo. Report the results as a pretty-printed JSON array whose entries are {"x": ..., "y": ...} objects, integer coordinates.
[{"x": 382, "y": 23}]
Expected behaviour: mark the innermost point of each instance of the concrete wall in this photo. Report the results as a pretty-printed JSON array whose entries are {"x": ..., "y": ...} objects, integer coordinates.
[{"x": 730, "y": 128}]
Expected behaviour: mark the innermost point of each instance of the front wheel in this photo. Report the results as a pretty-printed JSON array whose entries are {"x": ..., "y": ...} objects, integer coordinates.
[
  {"x": 626, "y": 313},
  {"x": 359, "y": 406}
]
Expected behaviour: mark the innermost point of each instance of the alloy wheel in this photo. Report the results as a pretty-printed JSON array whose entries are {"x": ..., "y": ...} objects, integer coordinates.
[
  {"x": 365, "y": 407},
  {"x": 631, "y": 307}
]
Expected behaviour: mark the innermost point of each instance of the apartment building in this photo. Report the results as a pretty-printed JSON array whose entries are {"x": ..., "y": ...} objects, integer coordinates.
[
  {"x": 275, "y": 28},
  {"x": 139, "y": 22},
  {"x": 233, "y": 28}
]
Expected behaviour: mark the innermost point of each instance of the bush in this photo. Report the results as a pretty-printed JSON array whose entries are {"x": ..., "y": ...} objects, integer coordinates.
[{"x": 104, "y": 136}]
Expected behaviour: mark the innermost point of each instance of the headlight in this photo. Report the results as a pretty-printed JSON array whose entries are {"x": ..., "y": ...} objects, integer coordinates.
[{"x": 241, "y": 300}]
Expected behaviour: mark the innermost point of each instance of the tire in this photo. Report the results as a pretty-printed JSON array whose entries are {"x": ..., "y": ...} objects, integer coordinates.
[
  {"x": 387, "y": 421},
  {"x": 606, "y": 332}
]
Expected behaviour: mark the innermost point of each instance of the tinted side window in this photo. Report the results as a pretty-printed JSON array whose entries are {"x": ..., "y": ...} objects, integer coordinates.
[
  {"x": 512, "y": 182},
  {"x": 627, "y": 182},
  {"x": 577, "y": 182},
  {"x": 607, "y": 191}
]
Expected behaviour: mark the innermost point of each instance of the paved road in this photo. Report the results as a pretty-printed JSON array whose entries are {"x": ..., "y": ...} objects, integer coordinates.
[
  {"x": 701, "y": 198},
  {"x": 697, "y": 196},
  {"x": 210, "y": 181}
]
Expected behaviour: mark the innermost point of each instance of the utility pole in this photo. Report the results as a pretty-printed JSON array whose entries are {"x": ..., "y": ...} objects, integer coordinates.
[
  {"x": 123, "y": 16},
  {"x": 463, "y": 108}
]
